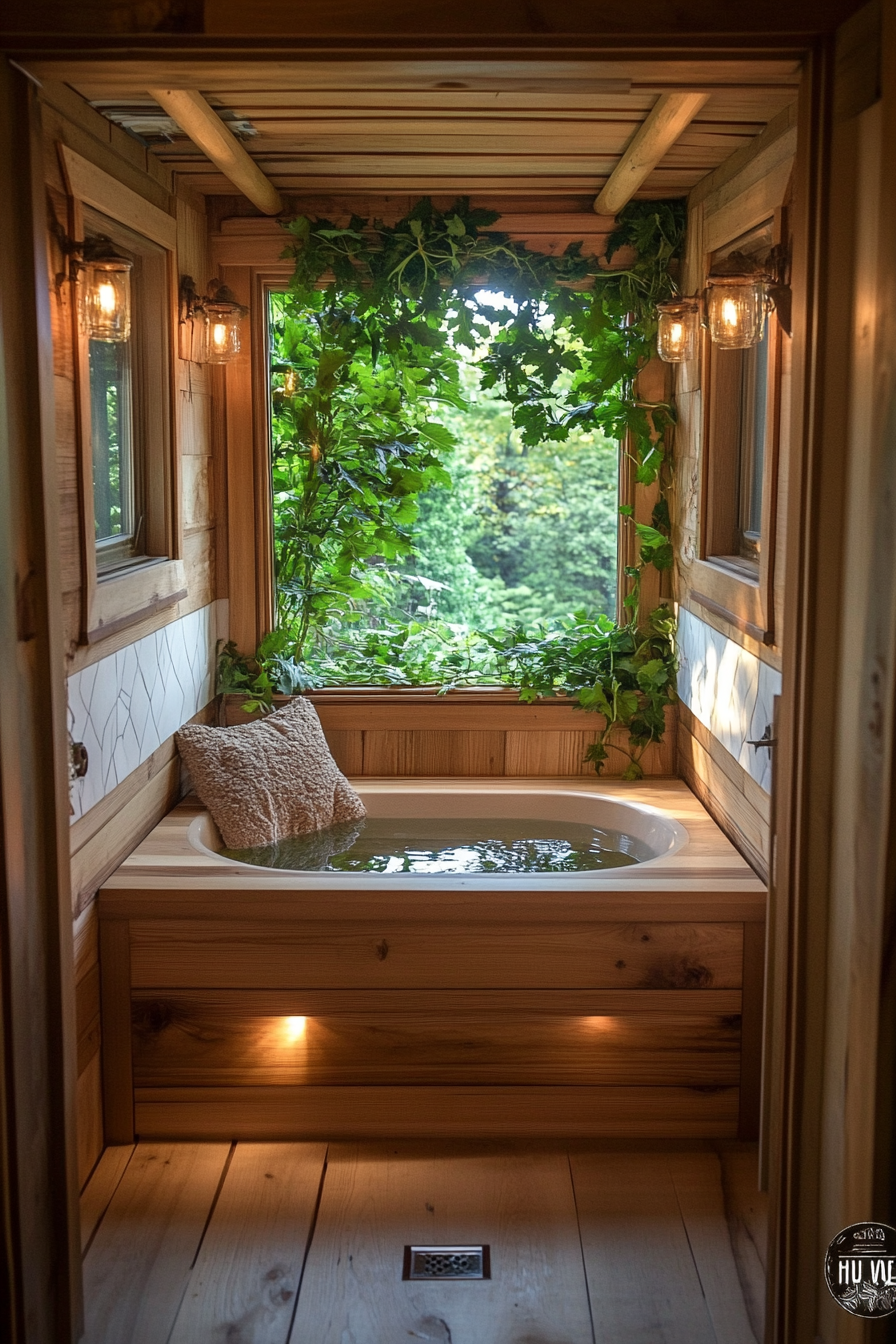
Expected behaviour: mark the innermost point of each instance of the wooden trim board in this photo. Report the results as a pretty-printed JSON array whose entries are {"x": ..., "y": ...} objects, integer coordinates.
[
  {"x": 436, "y": 1112},
  {"x": 96, "y": 188}
]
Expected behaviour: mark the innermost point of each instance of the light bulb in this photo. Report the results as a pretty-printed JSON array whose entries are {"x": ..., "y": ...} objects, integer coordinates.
[
  {"x": 107, "y": 297},
  {"x": 219, "y": 335},
  {"x": 678, "y": 329},
  {"x": 729, "y": 313}
]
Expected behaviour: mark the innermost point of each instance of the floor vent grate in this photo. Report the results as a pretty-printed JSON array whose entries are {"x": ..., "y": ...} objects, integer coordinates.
[{"x": 446, "y": 1262}]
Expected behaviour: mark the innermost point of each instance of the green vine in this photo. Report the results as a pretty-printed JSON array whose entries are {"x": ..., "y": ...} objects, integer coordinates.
[{"x": 366, "y": 346}]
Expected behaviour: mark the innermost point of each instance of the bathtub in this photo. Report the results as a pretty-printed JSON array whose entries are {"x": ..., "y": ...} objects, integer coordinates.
[
  {"x": 250, "y": 1003},
  {"x": 649, "y": 835}
]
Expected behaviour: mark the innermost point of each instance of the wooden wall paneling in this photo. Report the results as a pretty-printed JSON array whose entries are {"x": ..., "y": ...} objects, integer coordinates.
[
  {"x": 754, "y": 795},
  {"x": 751, "y": 1031},
  {"x": 433, "y": 753},
  {"x": 118, "y": 1101},
  {"x": 226, "y": 1005},
  {"x": 197, "y": 1048},
  {"x": 546, "y": 753},
  {"x": 198, "y": 568},
  {"x": 750, "y": 186},
  {"x": 102, "y": 837},
  {"x": 347, "y": 748},
  {"x": 87, "y": 1007},
  {"x": 241, "y": 450},
  {"x": 260, "y": 1113},
  {"x": 104, "y": 851},
  {"x": 89, "y": 1116},
  {"x": 197, "y": 492},
  {"x": 137, "y": 1268},
  {"x": 269, "y": 1196},
  {"x": 89, "y": 184},
  {"x": 88, "y": 1093},
  {"x": 392, "y": 955},
  {"x": 125, "y": 161},
  {"x": 264, "y": 282},
  {"x": 718, "y": 782},
  {"x": 473, "y": 733},
  {"x": 747, "y": 1213}
]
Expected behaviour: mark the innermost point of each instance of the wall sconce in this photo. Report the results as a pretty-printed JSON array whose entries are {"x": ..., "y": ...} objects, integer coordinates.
[
  {"x": 678, "y": 330},
  {"x": 104, "y": 278},
  {"x": 739, "y": 295},
  {"x": 105, "y": 296},
  {"x": 736, "y": 307},
  {"x": 220, "y": 315}
]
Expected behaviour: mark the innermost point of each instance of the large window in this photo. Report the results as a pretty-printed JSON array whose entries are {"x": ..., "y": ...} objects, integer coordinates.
[{"x": 424, "y": 545}]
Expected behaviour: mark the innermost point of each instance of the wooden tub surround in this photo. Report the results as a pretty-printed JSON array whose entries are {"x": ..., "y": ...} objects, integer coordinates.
[{"x": 238, "y": 1007}]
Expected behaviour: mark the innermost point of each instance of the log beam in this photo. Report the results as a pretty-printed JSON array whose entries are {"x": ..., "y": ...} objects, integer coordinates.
[
  {"x": 200, "y": 122},
  {"x": 670, "y": 114}
]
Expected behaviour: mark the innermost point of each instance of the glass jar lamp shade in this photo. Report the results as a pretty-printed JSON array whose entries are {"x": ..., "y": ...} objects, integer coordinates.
[
  {"x": 736, "y": 306},
  {"x": 106, "y": 298},
  {"x": 222, "y": 318},
  {"x": 678, "y": 330}
]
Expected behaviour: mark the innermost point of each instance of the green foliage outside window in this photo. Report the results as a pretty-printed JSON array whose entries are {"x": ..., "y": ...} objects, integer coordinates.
[{"x": 369, "y": 347}]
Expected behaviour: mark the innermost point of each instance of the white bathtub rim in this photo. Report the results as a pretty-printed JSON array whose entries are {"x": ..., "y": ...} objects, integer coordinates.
[{"x": 202, "y": 830}]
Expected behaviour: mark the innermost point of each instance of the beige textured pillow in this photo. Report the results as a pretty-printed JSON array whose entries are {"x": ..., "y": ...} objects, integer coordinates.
[{"x": 269, "y": 779}]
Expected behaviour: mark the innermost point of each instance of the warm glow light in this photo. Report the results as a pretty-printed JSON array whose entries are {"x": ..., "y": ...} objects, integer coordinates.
[
  {"x": 107, "y": 298},
  {"x": 601, "y": 1023},
  {"x": 678, "y": 330},
  {"x": 294, "y": 1027},
  {"x": 222, "y": 317},
  {"x": 736, "y": 306},
  {"x": 104, "y": 283}
]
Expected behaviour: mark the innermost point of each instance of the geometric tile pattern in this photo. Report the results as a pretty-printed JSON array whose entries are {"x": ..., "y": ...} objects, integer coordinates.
[
  {"x": 729, "y": 690},
  {"x": 124, "y": 706}
]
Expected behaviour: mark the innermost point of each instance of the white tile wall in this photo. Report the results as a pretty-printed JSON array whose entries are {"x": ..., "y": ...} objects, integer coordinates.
[
  {"x": 729, "y": 690},
  {"x": 124, "y": 706}
]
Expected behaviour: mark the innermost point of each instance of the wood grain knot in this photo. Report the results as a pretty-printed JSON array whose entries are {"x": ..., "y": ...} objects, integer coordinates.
[
  {"x": 677, "y": 973},
  {"x": 151, "y": 1017},
  {"x": 382, "y": 950}
]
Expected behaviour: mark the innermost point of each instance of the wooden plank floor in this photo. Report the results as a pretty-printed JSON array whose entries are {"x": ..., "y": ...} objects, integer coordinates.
[{"x": 300, "y": 1243}]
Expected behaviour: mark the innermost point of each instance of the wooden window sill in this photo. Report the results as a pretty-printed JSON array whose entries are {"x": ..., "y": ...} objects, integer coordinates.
[
  {"x": 733, "y": 595},
  {"x": 123, "y": 599}
]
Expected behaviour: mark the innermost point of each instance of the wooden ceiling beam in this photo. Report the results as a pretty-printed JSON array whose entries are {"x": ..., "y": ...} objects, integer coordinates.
[
  {"x": 200, "y": 122},
  {"x": 671, "y": 114}
]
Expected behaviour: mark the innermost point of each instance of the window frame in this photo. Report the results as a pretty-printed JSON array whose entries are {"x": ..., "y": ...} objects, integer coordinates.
[
  {"x": 124, "y": 595},
  {"x": 736, "y": 589}
]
